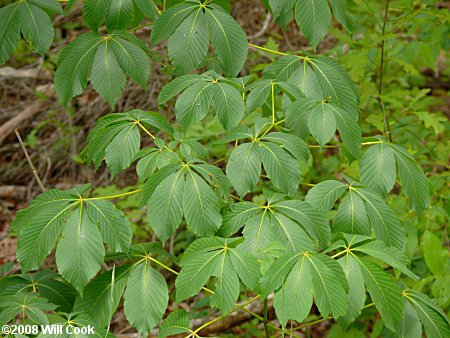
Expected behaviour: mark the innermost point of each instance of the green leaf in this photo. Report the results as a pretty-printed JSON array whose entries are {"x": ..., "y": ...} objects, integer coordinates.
[
  {"x": 329, "y": 293},
  {"x": 282, "y": 11},
  {"x": 9, "y": 30},
  {"x": 164, "y": 207},
  {"x": 311, "y": 219},
  {"x": 228, "y": 104},
  {"x": 176, "y": 322},
  {"x": 389, "y": 255},
  {"x": 294, "y": 299},
  {"x": 260, "y": 232},
  {"x": 107, "y": 77},
  {"x": 384, "y": 292},
  {"x": 297, "y": 116},
  {"x": 122, "y": 149},
  {"x": 434, "y": 320},
  {"x": 27, "y": 304},
  {"x": 176, "y": 86},
  {"x": 282, "y": 169},
  {"x": 170, "y": 19},
  {"x": 325, "y": 194},
  {"x": 227, "y": 286},
  {"x": 102, "y": 295},
  {"x": 237, "y": 216},
  {"x": 314, "y": 19},
  {"x": 282, "y": 68},
  {"x": 80, "y": 252},
  {"x": 201, "y": 206},
  {"x": 384, "y": 221},
  {"x": 120, "y": 14},
  {"x": 410, "y": 325},
  {"x": 259, "y": 92},
  {"x": 295, "y": 237},
  {"x": 322, "y": 123},
  {"x": 112, "y": 223},
  {"x": 94, "y": 12},
  {"x": 48, "y": 5},
  {"x": 342, "y": 13},
  {"x": 188, "y": 45},
  {"x": 194, "y": 103},
  {"x": 349, "y": 130},
  {"x": 277, "y": 272},
  {"x": 36, "y": 27},
  {"x": 334, "y": 82},
  {"x": 155, "y": 179},
  {"x": 434, "y": 254},
  {"x": 414, "y": 182},
  {"x": 293, "y": 144},
  {"x": 148, "y": 8},
  {"x": 146, "y": 298},
  {"x": 357, "y": 292},
  {"x": 74, "y": 64},
  {"x": 247, "y": 267},
  {"x": 133, "y": 60},
  {"x": 195, "y": 273},
  {"x": 40, "y": 226},
  {"x": 228, "y": 39},
  {"x": 351, "y": 216},
  {"x": 378, "y": 168},
  {"x": 244, "y": 167}
]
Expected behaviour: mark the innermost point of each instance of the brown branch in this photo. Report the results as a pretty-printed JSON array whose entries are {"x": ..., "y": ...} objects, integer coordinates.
[{"x": 33, "y": 168}]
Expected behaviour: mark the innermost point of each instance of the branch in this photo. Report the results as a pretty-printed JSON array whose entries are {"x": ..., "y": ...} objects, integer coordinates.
[{"x": 33, "y": 168}]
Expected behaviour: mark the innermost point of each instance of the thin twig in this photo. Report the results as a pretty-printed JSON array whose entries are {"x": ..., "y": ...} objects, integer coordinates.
[
  {"x": 380, "y": 77},
  {"x": 32, "y": 167}
]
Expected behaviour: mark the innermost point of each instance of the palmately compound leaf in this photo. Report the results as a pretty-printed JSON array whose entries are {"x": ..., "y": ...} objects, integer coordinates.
[
  {"x": 202, "y": 92},
  {"x": 40, "y": 226},
  {"x": 80, "y": 262},
  {"x": 378, "y": 168},
  {"x": 220, "y": 258},
  {"x": 116, "y": 138},
  {"x": 27, "y": 304},
  {"x": 107, "y": 60},
  {"x": 102, "y": 295},
  {"x": 119, "y": 14},
  {"x": 244, "y": 167},
  {"x": 30, "y": 17},
  {"x": 384, "y": 292},
  {"x": 189, "y": 27},
  {"x": 295, "y": 278},
  {"x": 413, "y": 180},
  {"x": 146, "y": 297}
]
